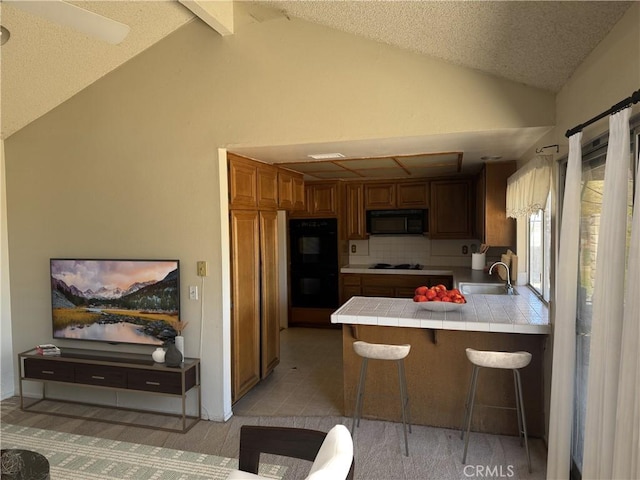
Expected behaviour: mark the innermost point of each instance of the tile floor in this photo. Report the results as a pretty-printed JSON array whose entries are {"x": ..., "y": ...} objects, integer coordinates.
[{"x": 307, "y": 382}]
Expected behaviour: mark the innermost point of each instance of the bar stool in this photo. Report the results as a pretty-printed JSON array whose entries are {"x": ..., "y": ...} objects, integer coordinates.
[
  {"x": 504, "y": 360},
  {"x": 378, "y": 351}
]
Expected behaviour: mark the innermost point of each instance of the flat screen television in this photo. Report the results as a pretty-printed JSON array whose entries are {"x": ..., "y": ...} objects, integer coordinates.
[{"x": 116, "y": 301}]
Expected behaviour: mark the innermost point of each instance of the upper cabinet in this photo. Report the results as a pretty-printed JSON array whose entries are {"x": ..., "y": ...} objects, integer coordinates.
[
  {"x": 450, "y": 209},
  {"x": 290, "y": 190},
  {"x": 398, "y": 194},
  {"x": 267, "y": 187},
  {"x": 355, "y": 216},
  {"x": 257, "y": 185},
  {"x": 243, "y": 182},
  {"x": 321, "y": 200},
  {"x": 379, "y": 196},
  {"x": 412, "y": 195},
  {"x": 492, "y": 225}
]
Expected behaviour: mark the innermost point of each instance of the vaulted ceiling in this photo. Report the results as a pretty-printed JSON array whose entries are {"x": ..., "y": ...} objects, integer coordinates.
[{"x": 536, "y": 43}]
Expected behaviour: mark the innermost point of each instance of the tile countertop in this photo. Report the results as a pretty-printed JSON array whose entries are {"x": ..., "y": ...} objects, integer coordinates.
[{"x": 523, "y": 313}]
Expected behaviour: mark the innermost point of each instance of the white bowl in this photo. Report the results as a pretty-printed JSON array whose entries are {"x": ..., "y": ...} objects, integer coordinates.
[{"x": 439, "y": 306}]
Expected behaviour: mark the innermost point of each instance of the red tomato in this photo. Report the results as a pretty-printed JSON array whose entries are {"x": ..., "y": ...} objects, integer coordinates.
[{"x": 422, "y": 290}]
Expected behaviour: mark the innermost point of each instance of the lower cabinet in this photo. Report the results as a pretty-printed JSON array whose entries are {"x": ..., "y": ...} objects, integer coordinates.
[
  {"x": 393, "y": 286},
  {"x": 255, "y": 323}
]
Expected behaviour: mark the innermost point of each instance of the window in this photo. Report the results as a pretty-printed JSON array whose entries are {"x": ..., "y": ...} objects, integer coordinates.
[{"x": 539, "y": 233}]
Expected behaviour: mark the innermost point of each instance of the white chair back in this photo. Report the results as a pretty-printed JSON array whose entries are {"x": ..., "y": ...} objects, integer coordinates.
[{"x": 335, "y": 456}]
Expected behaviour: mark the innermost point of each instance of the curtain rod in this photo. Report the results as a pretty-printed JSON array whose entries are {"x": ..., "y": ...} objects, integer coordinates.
[{"x": 634, "y": 98}]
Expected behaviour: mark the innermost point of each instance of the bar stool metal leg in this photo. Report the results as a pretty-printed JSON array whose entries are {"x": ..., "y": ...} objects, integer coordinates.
[
  {"x": 515, "y": 385},
  {"x": 520, "y": 400},
  {"x": 466, "y": 405},
  {"x": 403, "y": 402},
  {"x": 474, "y": 382},
  {"x": 357, "y": 412}
]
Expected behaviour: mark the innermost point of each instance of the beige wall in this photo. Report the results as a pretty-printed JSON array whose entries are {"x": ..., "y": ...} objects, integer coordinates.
[
  {"x": 130, "y": 166},
  {"x": 608, "y": 75},
  {"x": 6, "y": 337}
]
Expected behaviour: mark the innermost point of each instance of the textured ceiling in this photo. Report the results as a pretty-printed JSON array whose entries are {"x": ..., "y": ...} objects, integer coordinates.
[
  {"x": 43, "y": 64},
  {"x": 536, "y": 43}
]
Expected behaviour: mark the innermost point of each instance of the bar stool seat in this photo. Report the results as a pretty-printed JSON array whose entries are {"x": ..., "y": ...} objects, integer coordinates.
[
  {"x": 513, "y": 361},
  {"x": 378, "y": 351}
]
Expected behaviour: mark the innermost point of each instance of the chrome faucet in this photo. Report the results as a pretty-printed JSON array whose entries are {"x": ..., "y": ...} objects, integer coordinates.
[{"x": 508, "y": 286}]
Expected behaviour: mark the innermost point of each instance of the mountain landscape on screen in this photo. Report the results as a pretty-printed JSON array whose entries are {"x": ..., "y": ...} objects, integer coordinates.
[{"x": 116, "y": 301}]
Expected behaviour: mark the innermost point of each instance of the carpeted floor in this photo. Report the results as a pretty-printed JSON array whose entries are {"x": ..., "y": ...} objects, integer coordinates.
[{"x": 433, "y": 453}]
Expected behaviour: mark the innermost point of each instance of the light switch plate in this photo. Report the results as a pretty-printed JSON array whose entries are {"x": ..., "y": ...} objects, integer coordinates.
[{"x": 193, "y": 292}]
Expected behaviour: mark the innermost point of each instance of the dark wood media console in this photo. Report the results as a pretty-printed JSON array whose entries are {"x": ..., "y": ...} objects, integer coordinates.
[{"x": 124, "y": 372}]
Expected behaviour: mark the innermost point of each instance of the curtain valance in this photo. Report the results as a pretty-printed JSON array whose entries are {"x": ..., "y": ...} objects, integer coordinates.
[{"x": 528, "y": 188}]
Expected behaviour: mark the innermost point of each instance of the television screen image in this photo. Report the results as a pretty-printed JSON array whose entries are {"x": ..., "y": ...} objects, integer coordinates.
[{"x": 117, "y": 301}]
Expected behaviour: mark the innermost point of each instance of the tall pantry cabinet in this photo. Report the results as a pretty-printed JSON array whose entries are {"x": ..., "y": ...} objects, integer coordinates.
[{"x": 255, "y": 323}]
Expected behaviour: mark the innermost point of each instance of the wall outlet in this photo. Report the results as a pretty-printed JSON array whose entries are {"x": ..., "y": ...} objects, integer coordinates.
[
  {"x": 193, "y": 292},
  {"x": 465, "y": 249},
  {"x": 353, "y": 248},
  {"x": 202, "y": 269}
]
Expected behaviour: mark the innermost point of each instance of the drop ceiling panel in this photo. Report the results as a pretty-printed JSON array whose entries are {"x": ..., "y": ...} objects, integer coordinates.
[
  {"x": 437, "y": 170},
  {"x": 335, "y": 175},
  {"x": 315, "y": 167},
  {"x": 369, "y": 163},
  {"x": 436, "y": 159},
  {"x": 386, "y": 173}
]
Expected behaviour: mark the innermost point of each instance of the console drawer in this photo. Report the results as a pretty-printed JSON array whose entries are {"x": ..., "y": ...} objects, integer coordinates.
[
  {"x": 165, "y": 382},
  {"x": 101, "y": 375},
  {"x": 48, "y": 370}
]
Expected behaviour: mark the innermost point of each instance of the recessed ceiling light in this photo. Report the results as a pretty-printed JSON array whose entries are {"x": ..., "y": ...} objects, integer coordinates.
[
  {"x": 491, "y": 157},
  {"x": 326, "y": 156}
]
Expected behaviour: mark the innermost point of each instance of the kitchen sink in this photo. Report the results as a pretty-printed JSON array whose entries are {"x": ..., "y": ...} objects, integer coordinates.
[{"x": 469, "y": 288}]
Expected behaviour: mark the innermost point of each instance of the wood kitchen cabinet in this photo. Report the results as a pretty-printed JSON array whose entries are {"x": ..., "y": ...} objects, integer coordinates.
[
  {"x": 450, "y": 209},
  {"x": 290, "y": 190},
  {"x": 321, "y": 200},
  {"x": 252, "y": 184},
  {"x": 355, "y": 214},
  {"x": 412, "y": 195},
  {"x": 298, "y": 193},
  {"x": 261, "y": 186},
  {"x": 386, "y": 285},
  {"x": 243, "y": 182},
  {"x": 398, "y": 194},
  {"x": 379, "y": 196},
  {"x": 255, "y": 325},
  {"x": 270, "y": 297},
  {"x": 267, "y": 189},
  {"x": 492, "y": 225}
]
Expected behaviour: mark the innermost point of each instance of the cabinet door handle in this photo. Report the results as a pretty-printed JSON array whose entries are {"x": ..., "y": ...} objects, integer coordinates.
[
  {"x": 152, "y": 383},
  {"x": 48, "y": 372},
  {"x": 97, "y": 377}
]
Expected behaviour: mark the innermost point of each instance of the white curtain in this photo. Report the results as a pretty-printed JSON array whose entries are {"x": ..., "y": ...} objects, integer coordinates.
[
  {"x": 528, "y": 188},
  {"x": 610, "y": 317},
  {"x": 626, "y": 444},
  {"x": 564, "y": 327}
]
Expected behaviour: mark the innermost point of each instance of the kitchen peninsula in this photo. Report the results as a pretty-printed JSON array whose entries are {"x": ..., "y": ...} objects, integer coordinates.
[{"x": 437, "y": 369}]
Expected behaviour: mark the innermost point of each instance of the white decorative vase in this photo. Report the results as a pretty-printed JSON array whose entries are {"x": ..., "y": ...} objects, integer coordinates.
[
  {"x": 158, "y": 355},
  {"x": 179, "y": 340}
]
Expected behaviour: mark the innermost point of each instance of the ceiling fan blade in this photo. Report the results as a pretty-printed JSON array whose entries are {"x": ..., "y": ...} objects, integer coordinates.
[{"x": 75, "y": 17}]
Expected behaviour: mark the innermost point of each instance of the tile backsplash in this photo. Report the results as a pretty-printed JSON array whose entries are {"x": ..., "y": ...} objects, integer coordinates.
[{"x": 411, "y": 249}]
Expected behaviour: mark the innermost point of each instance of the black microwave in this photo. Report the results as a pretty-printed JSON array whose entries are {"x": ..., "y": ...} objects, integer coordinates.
[{"x": 397, "y": 222}]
